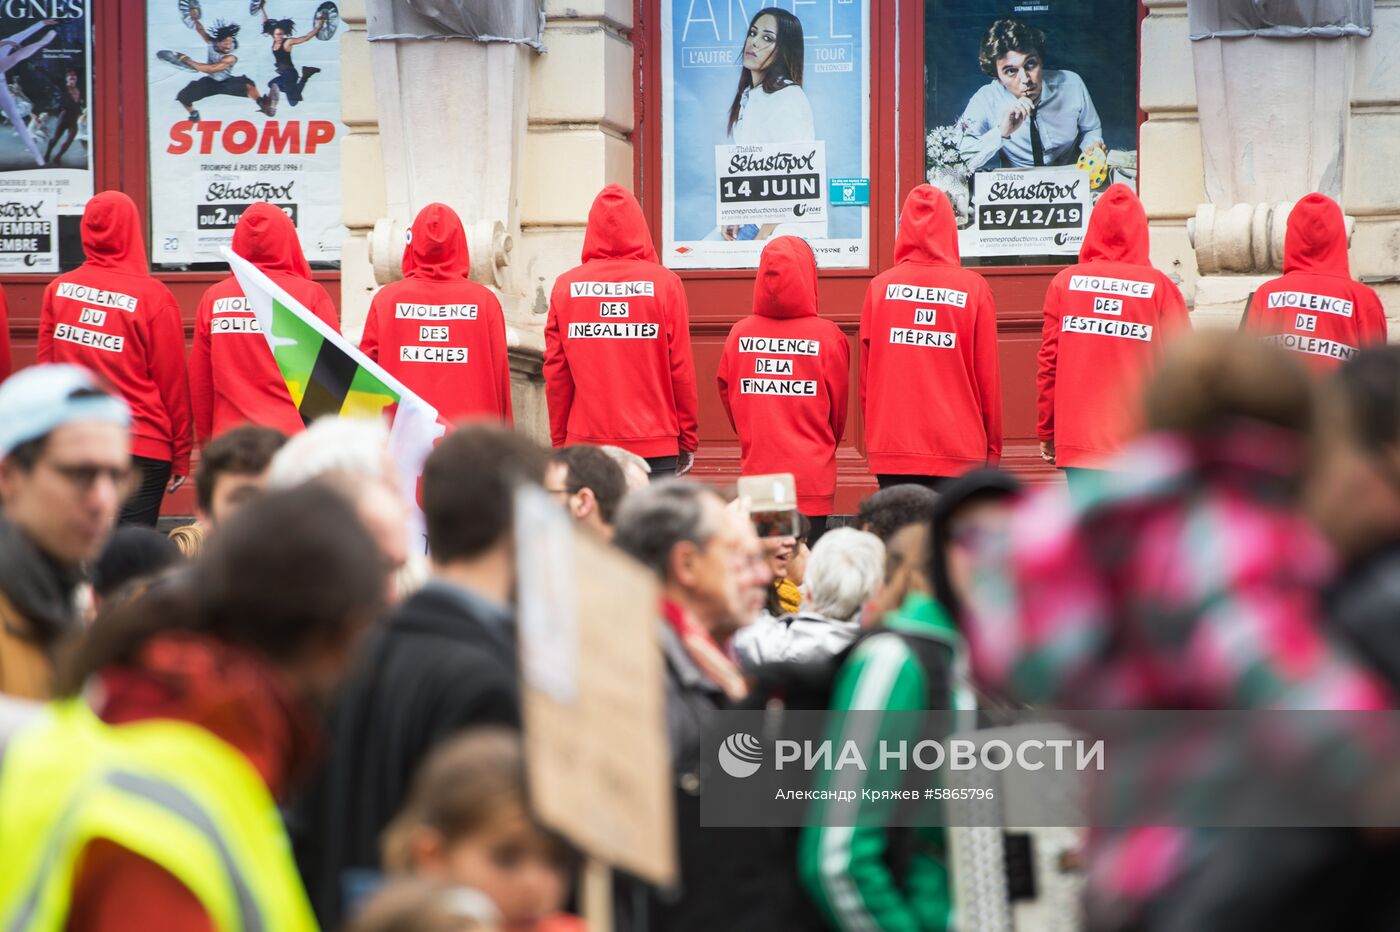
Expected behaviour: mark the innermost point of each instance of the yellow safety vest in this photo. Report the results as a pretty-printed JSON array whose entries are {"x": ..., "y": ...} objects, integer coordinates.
[{"x": 168, "y": 791}]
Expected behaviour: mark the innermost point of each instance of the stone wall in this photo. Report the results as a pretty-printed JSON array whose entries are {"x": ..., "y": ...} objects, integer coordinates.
[{"x": 1311, "y": 113}]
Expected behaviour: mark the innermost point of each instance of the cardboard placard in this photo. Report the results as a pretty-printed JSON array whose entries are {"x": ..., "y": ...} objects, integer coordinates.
[{"x": 595, "y": 734}]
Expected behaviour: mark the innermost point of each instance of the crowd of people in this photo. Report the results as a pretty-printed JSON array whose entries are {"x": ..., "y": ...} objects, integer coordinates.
[{"x": 287, "y": 717}]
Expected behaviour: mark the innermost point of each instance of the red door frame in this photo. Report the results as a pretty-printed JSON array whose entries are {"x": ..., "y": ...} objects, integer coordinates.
[
  {"x": 718, "y": 298},
  {"x": 117, "y": 132}
]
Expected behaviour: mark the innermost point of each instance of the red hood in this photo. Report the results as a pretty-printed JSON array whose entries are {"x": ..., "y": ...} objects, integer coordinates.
[
  {"x": 437, "y": 246},
  {"x": 1117, "y": 229},
  {"x": 111, "y": 233},
  {"x": 225, "y": 690},
  {"x": 1316, "y": 240},
  {"x": 928, "y": 232},
  {"x": 787, "y": 280},
  {"x": 266, "y": 237},
  {"x": 616, "y": 228}
]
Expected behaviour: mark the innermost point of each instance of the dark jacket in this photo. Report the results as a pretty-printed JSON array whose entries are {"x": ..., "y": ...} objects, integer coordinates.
[
  {"x": 444, "y": 661},
  {"x": 735, "y": 879},
  {"x": 1364, "y": 607},
  {"x": 36, "y": 613}
]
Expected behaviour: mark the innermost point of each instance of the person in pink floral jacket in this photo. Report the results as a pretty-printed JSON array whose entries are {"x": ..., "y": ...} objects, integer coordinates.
[{"x": 1188, "y": 580}]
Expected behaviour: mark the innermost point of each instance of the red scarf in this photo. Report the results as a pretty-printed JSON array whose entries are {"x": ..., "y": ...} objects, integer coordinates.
[{"x": 703, "y": 650}]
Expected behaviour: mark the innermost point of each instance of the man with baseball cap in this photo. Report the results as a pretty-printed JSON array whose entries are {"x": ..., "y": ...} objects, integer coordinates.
[{"x": 65, "y": 469}]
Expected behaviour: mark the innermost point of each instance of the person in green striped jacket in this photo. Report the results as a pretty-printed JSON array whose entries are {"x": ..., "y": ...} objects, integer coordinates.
[{"x": 862, "y": 874}]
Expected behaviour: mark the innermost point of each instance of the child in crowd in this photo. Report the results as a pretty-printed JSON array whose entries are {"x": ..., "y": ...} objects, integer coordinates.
[{"x": 467, "y": 823}]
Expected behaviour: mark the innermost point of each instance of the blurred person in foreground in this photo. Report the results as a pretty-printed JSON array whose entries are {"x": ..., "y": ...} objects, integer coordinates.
[
  {"x": 65, "y": 469},
  {"x": 706, "y": 556},
  {"x": 417, "y": 904},
  {"x": 588, "y": 484},
  {"x": 842, "y": 576},
  {"x": 204, "y": 695},
  {"x": 353, "y": 454},
  {"x": 443, "y": 661},
  {"x": 1311, "y": 878},
  {"x": 1354, "y": 495},
  {"x": 913, "y": 658},
  {"x": 467, "y": 822},
  {"x": 1187, "y": 579}
]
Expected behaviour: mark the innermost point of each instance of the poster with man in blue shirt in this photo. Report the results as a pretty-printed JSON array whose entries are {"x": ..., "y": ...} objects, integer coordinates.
[{"x": 1047, "y": 119}]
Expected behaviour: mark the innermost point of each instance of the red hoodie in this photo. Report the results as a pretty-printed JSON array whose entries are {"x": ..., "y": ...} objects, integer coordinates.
[
  {"x": 1106, "y": 321},
  {"x": 1315, "y": 308},
  {"x": 783, "y": 377},
  {"x": 233, "y": 377},
  {"x": 231, "y": 694},
  {"x": 440, "y": 334},
  {"x": 5, "y": 362},
  {"x": 111, "y": 316},
  {"x": 617, "y": 361},
  {"x": 928, "y": 332}
]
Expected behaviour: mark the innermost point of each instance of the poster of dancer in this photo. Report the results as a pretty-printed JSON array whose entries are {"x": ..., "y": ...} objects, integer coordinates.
[
  {"x": 244, "y": 106},
  {"x": 45, "y": 155}
]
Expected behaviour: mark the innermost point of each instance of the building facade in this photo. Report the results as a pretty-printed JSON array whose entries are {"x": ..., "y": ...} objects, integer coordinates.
[
  {"x": 1231, "y": 131},
  {"x": 1221, "y": 128}
]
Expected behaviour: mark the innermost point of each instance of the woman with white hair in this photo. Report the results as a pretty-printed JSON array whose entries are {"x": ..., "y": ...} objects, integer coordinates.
[{"x": 843, "y": 574}]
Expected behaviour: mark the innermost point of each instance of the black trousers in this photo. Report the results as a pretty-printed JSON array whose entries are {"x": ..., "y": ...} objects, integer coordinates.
[
  {"x": 663, "y": 467},
  {"x": 936, "y": 483},
  {"x": 235, "y": 85},
  {"x": 818, "y": 528},
  {"x": 143, "y": 507}
]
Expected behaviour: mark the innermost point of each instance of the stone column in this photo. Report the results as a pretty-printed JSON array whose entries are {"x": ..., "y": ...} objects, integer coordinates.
[
  {"x": 1276, "y": 125},
  {"x": 361, "y": 168},
  {"x": 517, "y": 142},
  {"x": 1169, "y": 156}
]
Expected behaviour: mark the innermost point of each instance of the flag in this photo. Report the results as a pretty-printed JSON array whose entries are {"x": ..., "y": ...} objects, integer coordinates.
[{"x": 326, "y": 375}]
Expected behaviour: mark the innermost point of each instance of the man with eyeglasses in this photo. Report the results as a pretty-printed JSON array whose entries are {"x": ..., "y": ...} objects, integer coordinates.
[
  {"x": 588, "y": 483},
  {"x": 65, "y": 469}
]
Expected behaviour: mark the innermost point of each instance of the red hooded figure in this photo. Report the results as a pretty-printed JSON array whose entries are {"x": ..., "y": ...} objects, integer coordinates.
[
  {"x": 1106, "y": 321},
  {"x": 1316, "y": 309},
  {"x": 617, "y": 362},
  {"x": 233, "y": 377},
  {"x": 438, "y": 332},
  {"x": 930, "y": 380},
  {"x": 783, "y": 377},
  {"x": 110, "y": 315},
  {"x": 5, "y": 361}
]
